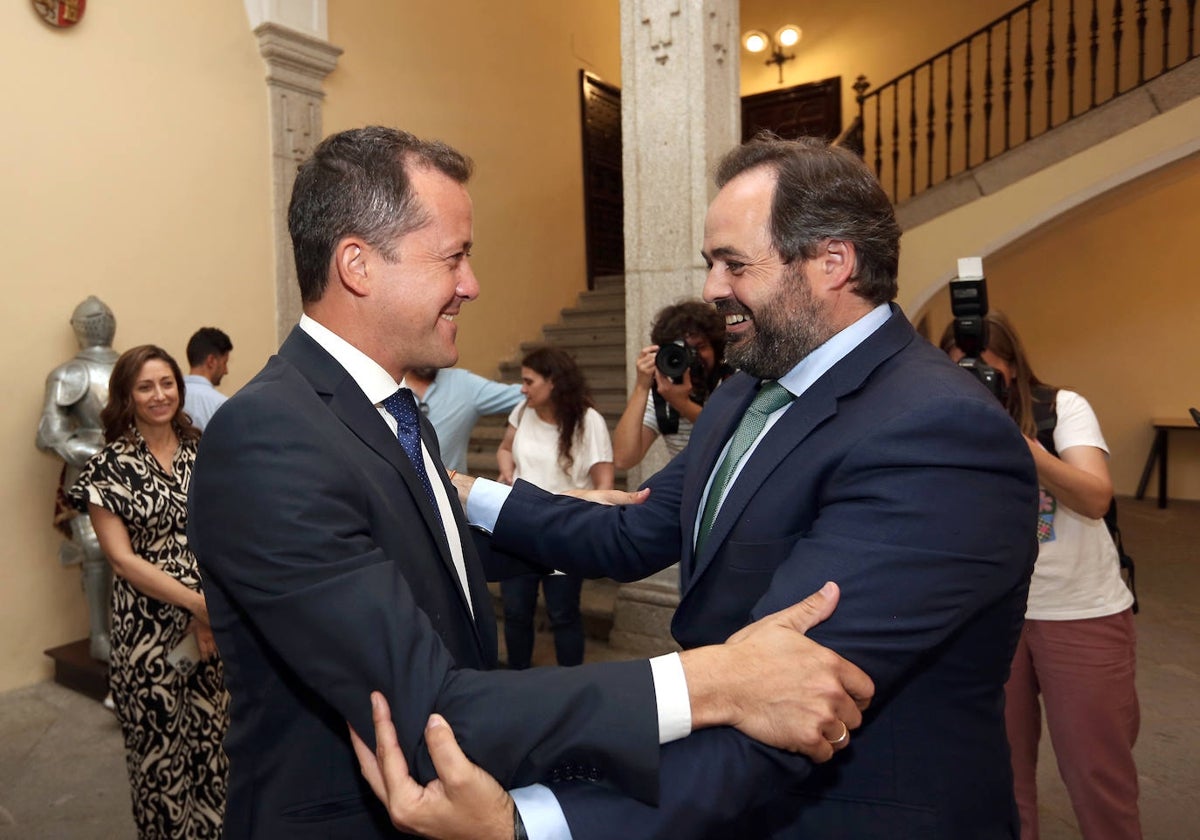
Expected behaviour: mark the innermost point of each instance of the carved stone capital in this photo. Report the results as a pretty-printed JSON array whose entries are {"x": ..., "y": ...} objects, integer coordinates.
[
  {"x": 295, "y": 60},
  {"x": 659, "y": 21},
  {"x": 297, "y": 65}
]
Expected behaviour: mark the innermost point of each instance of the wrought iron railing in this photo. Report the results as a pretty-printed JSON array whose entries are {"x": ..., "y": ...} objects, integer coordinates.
[{"x": 1032, "y": 69}]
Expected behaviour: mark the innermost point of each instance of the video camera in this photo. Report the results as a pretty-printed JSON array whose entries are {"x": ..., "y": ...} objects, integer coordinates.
[{"x": 969, "y": 305}]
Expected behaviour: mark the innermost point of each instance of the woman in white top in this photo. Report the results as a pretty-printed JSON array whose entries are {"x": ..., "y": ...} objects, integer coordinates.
[
  {"x": 1077, "y": 647},
  {"x": 557, "y": 440}
]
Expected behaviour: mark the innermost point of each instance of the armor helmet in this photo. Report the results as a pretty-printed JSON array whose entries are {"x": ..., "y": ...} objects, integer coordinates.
[{"x": 94, "y": 323}]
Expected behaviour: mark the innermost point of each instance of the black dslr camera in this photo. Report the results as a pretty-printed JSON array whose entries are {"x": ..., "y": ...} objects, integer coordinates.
[
  {"x": 968, "y": 303},
  {"x": 675, "y": 359}
]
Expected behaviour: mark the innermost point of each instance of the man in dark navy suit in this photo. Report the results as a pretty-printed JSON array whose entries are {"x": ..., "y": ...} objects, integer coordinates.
[
  {"x": 336, "y": 559},
  {"x": 846, "y": 449}
]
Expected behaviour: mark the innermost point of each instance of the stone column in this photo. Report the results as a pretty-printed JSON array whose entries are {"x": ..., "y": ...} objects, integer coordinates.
[
  {"x": 297, "y": 64},
  {"x": 680, "y": 111}
]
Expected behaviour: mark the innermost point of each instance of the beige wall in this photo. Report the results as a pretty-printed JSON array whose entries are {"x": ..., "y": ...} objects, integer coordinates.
[
  {"x": 506, "y": 91},
  {"x": 1105, "y": 300},
  {"x": 874, "y": 38},
  {"x": 136, "y": 159},
  {"x": 135, "y": 168}
]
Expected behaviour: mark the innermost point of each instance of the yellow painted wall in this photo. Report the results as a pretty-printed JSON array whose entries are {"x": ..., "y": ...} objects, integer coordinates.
[
  {"x": 875, "y": 38},
  {"x": 1105, "y": 300},
  {"x": 136, "y": 164},
  {"x": 500, "y": 81},
  {"x": 136, "y": 167}
]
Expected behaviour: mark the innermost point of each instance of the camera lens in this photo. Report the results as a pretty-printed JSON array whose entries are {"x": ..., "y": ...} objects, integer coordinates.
[{"x": 673, "y": 360}]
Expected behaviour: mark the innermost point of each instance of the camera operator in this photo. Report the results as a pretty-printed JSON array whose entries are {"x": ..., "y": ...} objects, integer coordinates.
[
  {"x": 1077, "y": 646},
  {"x": 662, "y": 404}
]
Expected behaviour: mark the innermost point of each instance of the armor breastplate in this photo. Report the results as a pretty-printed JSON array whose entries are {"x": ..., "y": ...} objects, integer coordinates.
[
  {"x": 80, "y": 392},
  {"x": 91, "y": 392}
]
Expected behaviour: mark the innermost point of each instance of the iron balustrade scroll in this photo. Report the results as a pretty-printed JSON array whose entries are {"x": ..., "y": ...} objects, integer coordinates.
[{"x": 1030, "y": 70}]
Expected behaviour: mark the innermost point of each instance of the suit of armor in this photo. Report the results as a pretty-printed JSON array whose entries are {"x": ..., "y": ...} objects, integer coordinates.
[{"x": 76, "y": 392}]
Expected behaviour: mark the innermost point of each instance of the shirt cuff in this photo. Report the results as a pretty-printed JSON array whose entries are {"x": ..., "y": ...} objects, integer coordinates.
[
  {"x": 541, "y": 813},
  {"x": 671, "y": 694},
  {"x": 484, "y": 503}
]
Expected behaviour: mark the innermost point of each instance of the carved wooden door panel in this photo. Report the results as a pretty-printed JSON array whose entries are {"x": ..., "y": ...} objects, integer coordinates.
[{"x": 813, "y": 110}]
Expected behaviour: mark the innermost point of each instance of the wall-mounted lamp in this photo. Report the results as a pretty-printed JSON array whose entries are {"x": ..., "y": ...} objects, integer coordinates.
[{"x": 757, "y": 41}]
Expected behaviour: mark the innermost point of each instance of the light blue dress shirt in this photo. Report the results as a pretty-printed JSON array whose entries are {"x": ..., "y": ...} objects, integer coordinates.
[
  {"x": 201, "y": 399},
  {"x": 455, "y": 400}
]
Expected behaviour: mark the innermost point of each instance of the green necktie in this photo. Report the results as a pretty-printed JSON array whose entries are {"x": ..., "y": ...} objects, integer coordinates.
[{"x": 771, "y": 397}]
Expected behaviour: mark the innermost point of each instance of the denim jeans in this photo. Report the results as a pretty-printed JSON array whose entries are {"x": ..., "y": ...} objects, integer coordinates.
[{"x": 519, "y": 595}]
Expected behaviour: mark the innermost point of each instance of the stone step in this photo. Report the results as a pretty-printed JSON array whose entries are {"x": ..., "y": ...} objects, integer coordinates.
[
  {"x": 603, "y": 642},
  {"x": 593, "y": 332},
  {"x": 572, "y": 337},
  {"x": 597, "y": 363},
  {"x": 608, "y": 282},
  {"x": 602, "y": 300},
  {"x": 596, "y": 601},
  {"x": 607, "y": 355},
  {"x": 609, "y": 401},
  {"x": 594, "y": 318}
]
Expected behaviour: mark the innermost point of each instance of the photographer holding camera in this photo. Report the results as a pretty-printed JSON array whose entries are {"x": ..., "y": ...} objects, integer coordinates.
[
  {"x": 675, "y": 375},
  {"x": 1078, "y": 644}
]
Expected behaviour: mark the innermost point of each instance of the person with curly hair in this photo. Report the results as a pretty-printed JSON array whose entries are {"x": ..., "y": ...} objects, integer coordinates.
[
  {"x": 558, "y": 441},
  {"x": 173, "y": 711},
  {"x": 660, "y": 405}
]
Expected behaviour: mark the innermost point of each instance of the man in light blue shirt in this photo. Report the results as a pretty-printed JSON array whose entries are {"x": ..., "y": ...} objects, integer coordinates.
[
  {"x": 454, "y": 399},
  {"x": 208, "y": 355}
]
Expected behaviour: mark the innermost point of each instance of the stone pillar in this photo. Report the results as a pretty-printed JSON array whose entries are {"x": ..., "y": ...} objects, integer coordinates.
[
  {"x": 680, "y": 111},
  {"x": 297, "y": 64}
]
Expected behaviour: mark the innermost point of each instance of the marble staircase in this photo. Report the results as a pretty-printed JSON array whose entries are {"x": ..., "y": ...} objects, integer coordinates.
[{"x": 593, "y": 331}]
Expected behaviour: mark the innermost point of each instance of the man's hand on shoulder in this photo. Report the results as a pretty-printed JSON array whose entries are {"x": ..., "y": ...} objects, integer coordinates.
[{"x": 772, "y": 683}]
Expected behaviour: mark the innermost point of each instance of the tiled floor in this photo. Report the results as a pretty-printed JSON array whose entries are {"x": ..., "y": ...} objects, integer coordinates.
[{"x": 62, "y": 774}]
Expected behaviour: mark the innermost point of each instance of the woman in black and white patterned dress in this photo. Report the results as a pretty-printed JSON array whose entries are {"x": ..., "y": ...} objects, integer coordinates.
[{"x": 136, "y": 492}]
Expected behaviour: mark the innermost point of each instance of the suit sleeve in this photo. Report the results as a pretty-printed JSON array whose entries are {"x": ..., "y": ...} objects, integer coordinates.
[
  {"x": 278, "y": 519},
  {"x": 716, "y": 784},
  {"x": 622, "y": 543},
  {"x": 950, "y": 494}
]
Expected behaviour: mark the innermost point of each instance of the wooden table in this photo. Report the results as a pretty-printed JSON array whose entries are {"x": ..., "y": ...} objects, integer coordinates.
[{"x": 1163, "y": 426}]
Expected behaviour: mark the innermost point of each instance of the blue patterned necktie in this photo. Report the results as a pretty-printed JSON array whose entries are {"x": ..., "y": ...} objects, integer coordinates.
[
  {"x": 403, "y": 407},
  {"x": 771, "y": 397}
]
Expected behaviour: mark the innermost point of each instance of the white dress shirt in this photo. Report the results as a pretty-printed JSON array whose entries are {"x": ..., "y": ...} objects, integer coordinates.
[{"x": 378, "y": 385}]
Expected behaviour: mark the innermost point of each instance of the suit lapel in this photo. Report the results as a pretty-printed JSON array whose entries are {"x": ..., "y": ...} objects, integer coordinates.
[
  {"x": 351, "y": 406},
  {"x": 810, "y": 410}
]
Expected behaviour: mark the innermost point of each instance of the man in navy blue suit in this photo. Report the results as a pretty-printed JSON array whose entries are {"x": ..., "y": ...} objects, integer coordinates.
[{"x": 846, "y": 449}]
